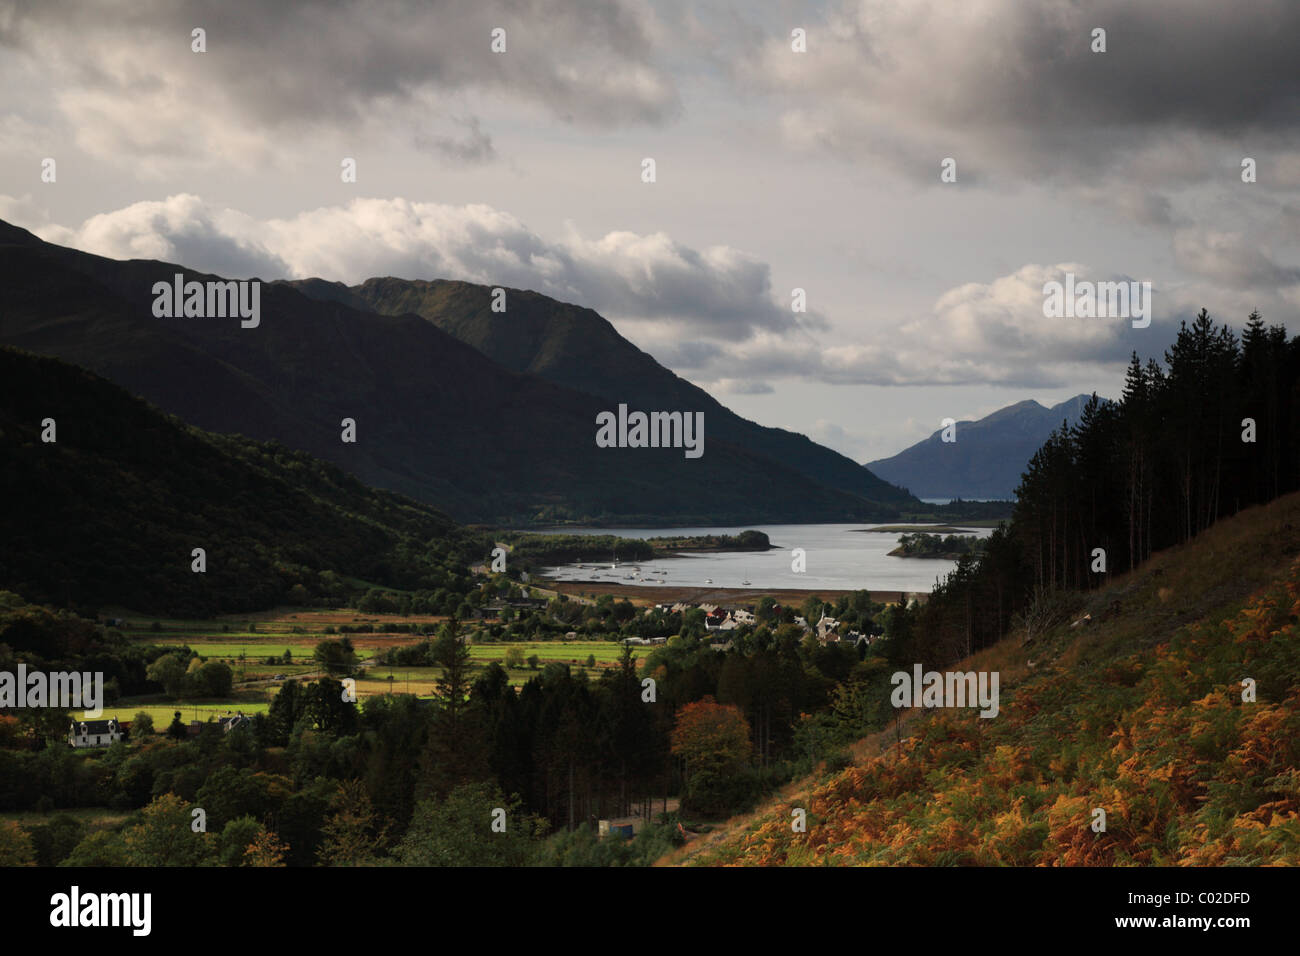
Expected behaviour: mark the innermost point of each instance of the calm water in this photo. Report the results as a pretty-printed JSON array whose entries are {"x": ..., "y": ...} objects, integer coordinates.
[
  {"x": 839, "y": 557},
  {"x": 948, "y": 501}
]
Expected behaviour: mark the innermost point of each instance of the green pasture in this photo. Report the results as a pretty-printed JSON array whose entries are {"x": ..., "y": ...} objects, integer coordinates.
[
  {"x": 162, "y": 713},
  {"x": 605, "y": 651},
  {"x": 252, "y": 651}
]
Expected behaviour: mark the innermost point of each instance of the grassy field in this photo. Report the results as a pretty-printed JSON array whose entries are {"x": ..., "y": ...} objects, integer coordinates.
[
  {"x": 253, "y": 650},
  {"x": 422, "y": 680},
  {"x": 256, "y": 670},
  {"x": 162, "y": 713},
  {"x": 564, "y": 651},
  {"x": 278, "y": 632}
]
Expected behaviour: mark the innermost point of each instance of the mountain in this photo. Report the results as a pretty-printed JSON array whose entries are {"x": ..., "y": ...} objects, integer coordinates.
[
  {"x": 436, "y": 419},
  {"x": 1140, "y": 710},
  {"x": 109, "y": 512},
  {"x": 986, "y": 459},
  {"x": 577, "y": 348}
]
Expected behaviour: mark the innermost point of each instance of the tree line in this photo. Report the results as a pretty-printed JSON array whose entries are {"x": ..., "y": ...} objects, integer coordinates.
[{"x": 1212, "y": 429}]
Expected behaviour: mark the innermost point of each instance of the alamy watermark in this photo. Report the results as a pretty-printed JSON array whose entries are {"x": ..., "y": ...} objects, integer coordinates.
[
  {"x": 209, "y": 300},
  {"x": 652, "y": 430},
  {"x": 950, "y": 689},
  {"x": 75, "y": 908},
  {"x": 1098, "y": 300},
  {"x": 66, "y": 690}
]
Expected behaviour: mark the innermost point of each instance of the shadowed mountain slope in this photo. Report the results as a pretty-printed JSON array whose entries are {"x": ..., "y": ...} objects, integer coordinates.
[
  {"x": 435, "y": 419},
  {"x": 110, "y": 511},
  {"x": 576, "y": 347}
]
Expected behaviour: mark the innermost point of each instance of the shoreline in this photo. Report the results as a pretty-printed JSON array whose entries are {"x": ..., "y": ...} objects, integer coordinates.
[{"x": 649, "y": 595}]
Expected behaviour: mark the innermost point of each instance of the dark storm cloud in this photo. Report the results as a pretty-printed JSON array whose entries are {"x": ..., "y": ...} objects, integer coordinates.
[
  {"x": 295, "y": 63},
  {"x": 1013, "y": 88}
]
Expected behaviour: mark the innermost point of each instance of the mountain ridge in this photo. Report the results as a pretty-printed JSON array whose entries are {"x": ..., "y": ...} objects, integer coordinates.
[
  {"x": 436, "y": 419},
  {"x": 987, "y": 457},
  {"x": 576, "y": 347}
]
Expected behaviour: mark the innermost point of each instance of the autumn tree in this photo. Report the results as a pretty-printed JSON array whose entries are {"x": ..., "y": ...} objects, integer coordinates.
[
  {"x": 265, "y": 850},
  {"x": 354, "y": 834},
  {"x": 713, "y": 741}
]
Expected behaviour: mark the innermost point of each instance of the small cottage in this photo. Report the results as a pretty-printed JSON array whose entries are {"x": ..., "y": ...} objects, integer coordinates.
[{"x": 93, "y": 733}]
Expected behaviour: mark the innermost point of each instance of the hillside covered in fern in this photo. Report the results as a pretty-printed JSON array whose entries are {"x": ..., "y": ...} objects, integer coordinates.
[{"x": 1138, "y": 710}]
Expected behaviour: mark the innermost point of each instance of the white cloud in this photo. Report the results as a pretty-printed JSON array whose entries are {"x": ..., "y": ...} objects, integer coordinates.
[
  {"x": 991, "y": 333},
  {"x": 717, "y": 292},
  {"x": 708, "y": 313},
  {"x": 180, "y": 229}
]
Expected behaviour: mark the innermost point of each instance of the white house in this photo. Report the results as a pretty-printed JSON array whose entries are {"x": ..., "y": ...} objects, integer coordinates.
[
  {"x": 93, "y": 733},
  {"x": 230, "y": 723}
]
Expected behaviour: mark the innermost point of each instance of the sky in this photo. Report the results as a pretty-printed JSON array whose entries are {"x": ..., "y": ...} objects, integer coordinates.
[{"x": 775, "y": 169}]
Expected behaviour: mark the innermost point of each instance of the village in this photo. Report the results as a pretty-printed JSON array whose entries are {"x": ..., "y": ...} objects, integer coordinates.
[{"x": 720, "y": 620}]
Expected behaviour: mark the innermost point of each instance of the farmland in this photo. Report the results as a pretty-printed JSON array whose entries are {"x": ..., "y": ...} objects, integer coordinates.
[
  {"x": 247, "y": 642},
  {"x": 202, "y": 710}
]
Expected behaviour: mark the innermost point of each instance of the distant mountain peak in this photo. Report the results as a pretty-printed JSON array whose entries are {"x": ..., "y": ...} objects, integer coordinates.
[{"x": 988, "y": 456}]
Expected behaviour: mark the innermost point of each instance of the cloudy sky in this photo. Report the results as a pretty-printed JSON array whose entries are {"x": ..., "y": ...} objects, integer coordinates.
[{"x": 775, "y": 170}]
